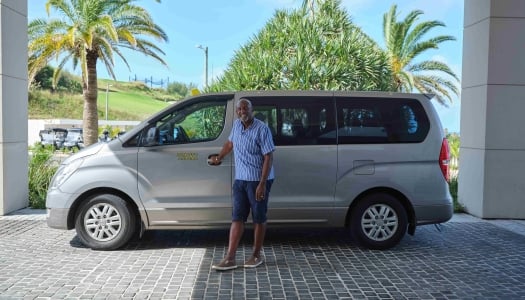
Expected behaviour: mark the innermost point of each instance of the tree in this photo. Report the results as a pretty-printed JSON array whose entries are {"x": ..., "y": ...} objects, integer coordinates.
[
  {"x": 89, "y": 31},
  {"x": 181, "y": 89},
  {"x": 311, "y": 48},
  {"x": 43, "y": 79},
  {"x": 404, "y": 43}
]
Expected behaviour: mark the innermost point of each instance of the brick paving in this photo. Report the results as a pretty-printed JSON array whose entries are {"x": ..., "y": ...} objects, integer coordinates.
[{"x": 466, "y": 259}]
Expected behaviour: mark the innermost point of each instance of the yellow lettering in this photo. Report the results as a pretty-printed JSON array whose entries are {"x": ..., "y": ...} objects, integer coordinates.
[{"x": 187, "y": 156}]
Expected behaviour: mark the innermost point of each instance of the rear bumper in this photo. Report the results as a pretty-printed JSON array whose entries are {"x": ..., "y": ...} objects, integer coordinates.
[{"x": 433, "y": 214}]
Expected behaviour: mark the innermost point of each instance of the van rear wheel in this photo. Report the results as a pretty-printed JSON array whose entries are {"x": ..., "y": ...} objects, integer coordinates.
[
  {"x": 105, "y": 222},
  {"x": 378, "y": 221}
]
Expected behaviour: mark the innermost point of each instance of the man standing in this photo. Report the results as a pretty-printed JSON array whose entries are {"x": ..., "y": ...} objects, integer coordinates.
[{"x": 252, "y": 144}]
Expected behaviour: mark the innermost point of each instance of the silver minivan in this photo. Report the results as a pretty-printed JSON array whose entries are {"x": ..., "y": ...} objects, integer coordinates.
[{"x": 375, "y": 162}]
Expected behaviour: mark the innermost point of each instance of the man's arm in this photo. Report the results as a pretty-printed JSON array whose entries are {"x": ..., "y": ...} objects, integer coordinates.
[
  {"x": 261, "y": 187},
  {"x": 267, "y": 163},
  {"x": 226, "y": 149}
]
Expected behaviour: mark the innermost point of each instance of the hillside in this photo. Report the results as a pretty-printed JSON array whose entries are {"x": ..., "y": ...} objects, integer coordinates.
[{"x": 127, "y": 101}]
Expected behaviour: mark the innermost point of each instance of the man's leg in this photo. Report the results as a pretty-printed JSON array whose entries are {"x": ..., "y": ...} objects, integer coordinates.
[
  {"x": 236, "y": 232},
  {"x": 259, "y": 210},
  {"x": 258, "y": 238},
  {"x": 259, "y": 230},
  {"x": 228, "y": 263}
]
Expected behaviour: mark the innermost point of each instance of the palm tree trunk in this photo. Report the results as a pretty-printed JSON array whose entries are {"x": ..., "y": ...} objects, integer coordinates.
[{"x": 90, "y": 93}]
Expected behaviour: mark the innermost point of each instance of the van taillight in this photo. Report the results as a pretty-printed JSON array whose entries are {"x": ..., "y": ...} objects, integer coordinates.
[{"x": 444, "y": 159}]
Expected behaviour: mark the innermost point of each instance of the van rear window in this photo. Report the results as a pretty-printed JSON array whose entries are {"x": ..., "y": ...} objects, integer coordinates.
[{"x": 373, "y": 121}]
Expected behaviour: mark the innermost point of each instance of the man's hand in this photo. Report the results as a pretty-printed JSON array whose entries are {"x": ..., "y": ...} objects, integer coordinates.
[
  {"x": 214, "y": 160},
  {"x": 260, "y": 191}
]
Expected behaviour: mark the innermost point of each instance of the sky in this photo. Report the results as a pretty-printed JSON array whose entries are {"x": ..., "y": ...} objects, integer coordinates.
[{"x": 225, "y": 26}]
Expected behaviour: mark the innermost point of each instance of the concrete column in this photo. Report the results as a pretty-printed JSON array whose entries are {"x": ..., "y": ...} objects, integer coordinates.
[
  {"x": 492, "y": 154},
  {"x": 13, "y": 108}
]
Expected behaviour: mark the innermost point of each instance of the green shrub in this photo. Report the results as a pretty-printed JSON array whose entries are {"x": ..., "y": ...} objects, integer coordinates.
[
  {"x": 453, "y": 187},
  {"x": 41, "y": 170},
  {"x": 66, "y": 82}
]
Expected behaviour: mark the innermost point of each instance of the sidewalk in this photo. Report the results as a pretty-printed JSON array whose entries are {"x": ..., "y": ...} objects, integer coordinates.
[
  {"x": 26, "y": 214},
  {"x": 516, "y": 226}
]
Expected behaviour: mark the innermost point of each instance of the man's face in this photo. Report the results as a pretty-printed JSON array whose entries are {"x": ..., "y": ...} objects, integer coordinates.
[{"x": 244, "y": 111}]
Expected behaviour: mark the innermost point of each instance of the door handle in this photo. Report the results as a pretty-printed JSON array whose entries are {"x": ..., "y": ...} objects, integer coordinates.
[{"x": 211, "y": 160}]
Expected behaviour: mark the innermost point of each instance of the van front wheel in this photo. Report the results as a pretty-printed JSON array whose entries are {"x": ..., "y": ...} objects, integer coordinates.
[
  {"x": 378, "y": 221},
  {"x": 105, "y": 222}
]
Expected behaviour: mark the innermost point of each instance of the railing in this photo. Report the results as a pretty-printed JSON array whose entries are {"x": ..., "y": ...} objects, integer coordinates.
[{"x": 163, "y": 83}]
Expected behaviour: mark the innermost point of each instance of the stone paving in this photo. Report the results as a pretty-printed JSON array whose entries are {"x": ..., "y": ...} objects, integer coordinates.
[{"x": 467, "y": 258}]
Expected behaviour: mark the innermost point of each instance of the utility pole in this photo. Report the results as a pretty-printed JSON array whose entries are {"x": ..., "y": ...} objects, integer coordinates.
[
  {"x": 107, "y": 92},
  {"x": 205, "y": 49}
]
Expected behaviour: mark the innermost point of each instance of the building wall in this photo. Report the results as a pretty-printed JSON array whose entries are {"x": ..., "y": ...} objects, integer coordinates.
[
  {"x": 13, "y": 108},
  {"x": 491, "y": 180}
]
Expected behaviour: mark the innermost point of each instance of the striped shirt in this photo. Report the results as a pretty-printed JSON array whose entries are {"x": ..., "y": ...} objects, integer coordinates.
[{"x": 249, "y": 147}]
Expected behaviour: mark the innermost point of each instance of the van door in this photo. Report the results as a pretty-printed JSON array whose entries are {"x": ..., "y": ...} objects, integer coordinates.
[
  {"x": 380, "y": 145},
  {"x": 305, "y": 160},
  {"x": 176, "y": 184}
]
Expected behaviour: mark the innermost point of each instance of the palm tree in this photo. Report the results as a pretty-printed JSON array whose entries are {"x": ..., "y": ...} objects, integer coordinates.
[
  {"x": 310, "y": 48},
  {"x": 89, "y": 31},
  {"x": 404, "y": 43}
]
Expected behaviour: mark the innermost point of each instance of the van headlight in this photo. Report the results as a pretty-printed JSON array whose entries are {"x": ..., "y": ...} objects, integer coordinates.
[{"x": 65, "y": 171}]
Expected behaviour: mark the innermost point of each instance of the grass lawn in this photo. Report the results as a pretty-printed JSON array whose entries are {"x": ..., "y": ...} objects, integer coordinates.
[{"x": 129, "y": 102}]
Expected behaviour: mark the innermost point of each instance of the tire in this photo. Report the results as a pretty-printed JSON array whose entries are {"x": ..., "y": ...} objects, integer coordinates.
[
  {"x": 105, "y": 222},
  {"x": 378, "y": 221}
]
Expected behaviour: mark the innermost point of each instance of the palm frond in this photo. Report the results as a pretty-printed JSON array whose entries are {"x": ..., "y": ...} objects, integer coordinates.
[{"x": 404, "y": 42}]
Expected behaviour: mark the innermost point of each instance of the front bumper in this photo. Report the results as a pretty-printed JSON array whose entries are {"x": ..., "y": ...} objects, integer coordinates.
[
  {"x": 58, "y": 206},
  {"x": 57, "y": 218}
]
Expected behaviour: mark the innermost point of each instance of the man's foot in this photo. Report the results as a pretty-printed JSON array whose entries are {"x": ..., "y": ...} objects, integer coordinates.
[
  {"x": 225, "y": 265},
  {"x": 253, "y": 262}
]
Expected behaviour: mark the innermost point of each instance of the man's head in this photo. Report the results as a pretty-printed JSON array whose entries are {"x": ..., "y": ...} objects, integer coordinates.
[{"x": 244, "y": 110}]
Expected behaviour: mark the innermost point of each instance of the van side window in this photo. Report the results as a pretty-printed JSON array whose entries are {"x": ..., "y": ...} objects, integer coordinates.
[
  {"x": 298, "y": 120},
  {"x": 267, "y": 114},
  {"x": 199, "y": 122},
  {"x": 372, "y": 121},
  {"x": 295, "y": 122}
]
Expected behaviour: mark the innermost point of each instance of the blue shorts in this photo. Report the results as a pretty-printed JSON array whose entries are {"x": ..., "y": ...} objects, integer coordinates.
[{"x": 244, "y": 201}]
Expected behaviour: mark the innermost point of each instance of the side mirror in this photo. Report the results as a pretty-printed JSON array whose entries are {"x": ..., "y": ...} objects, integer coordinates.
[{"x": 151, "y": 137}]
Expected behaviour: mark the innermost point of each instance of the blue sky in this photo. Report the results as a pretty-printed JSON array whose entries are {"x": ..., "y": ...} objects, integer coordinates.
[{"x": 224, "y": 26}]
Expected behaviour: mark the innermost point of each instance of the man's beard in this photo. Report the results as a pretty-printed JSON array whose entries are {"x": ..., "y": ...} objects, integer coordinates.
[{"x": 245, "y": 118}]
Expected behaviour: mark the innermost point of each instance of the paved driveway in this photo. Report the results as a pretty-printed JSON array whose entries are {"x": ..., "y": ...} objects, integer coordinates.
[{"x": 468, "y": 259}]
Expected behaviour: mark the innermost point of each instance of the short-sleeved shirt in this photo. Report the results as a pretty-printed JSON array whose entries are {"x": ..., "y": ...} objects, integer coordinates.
[{"x": 249, "y": 147}]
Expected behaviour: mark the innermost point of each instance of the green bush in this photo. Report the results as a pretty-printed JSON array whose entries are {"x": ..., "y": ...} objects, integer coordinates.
[
  {"x": 69, "y": 83},
  {"x": 41, "y": 170},
  {"x": 453, "y": 187},
  {"x": 66, "y": 82}
]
